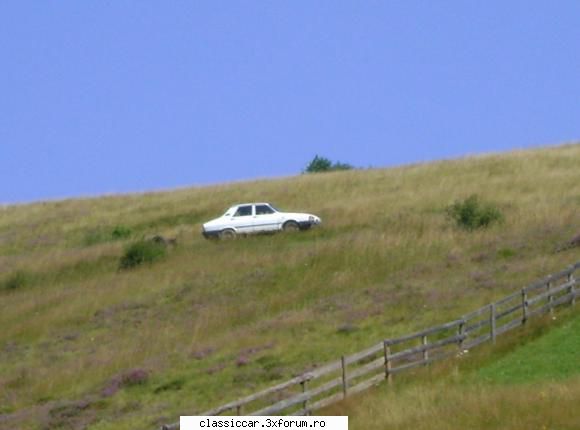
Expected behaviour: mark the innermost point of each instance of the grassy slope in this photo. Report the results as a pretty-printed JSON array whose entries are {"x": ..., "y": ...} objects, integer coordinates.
[
  {"x": 385, "y": 262},
  {"x": 530, "y": 380}
]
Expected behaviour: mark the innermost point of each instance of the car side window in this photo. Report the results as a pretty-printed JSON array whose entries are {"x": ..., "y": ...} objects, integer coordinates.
[
  {"x": 263, "y": 210},
  {"x": 244, "y": 211}
]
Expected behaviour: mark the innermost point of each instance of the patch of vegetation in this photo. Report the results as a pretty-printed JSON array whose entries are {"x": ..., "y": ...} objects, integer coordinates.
[
  {"x": 142, "y": 252},
  {"x": 79, "y": 270},
  {"x": 506, "y": 253},
  {"x": 269, "y": 362},
  {"x": 121, "y": 232},
  {"x": 107, "y": 234},
  {"x": 5, "y": 409},
  {"x": 323, "y": 164},
  {"x": 552, "y": 356},
  {"x": 95, "y": 236},
  {"x": 173, "y": 385},
  {"x": 471, "y": 213},
  {"x": 16, "y": 281}
]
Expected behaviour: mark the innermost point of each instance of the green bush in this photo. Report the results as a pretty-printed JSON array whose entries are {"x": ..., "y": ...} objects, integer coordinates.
[
  {"x": 16, "y": 281},
  {"x": 141, "y": 252},
  {"x": 506, "y": 253},
  {"x": 121, "y": 232},
  {"x": 323, "y": 164},
  {"x": 471, "y": 214}
]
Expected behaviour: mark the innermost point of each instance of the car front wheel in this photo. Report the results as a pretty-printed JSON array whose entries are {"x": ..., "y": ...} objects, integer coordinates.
[
  {"x": 227, "y": 234},
  {"x": 291, "y": 226}
]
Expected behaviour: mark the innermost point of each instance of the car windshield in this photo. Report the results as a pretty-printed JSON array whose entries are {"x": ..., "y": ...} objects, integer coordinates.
[{"x": 275, "y": 208}]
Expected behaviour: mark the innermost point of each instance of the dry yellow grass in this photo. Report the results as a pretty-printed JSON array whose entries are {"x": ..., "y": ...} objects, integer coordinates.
[{"x": 386, "y": 261}]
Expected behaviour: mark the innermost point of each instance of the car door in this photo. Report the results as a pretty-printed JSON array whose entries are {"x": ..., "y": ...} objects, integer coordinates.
[
  {"x": 242, "y": 219},
  {"x": 266, "y": 218}
]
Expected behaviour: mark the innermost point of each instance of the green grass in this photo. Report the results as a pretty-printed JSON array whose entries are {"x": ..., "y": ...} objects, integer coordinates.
[
  {"x": 554, "y": 356},
  {"x": 386, "y": 261}
]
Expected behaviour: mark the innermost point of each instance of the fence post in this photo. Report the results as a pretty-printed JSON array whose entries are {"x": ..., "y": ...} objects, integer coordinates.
[
  {"x": 305, "y": 403},
  {"x": 387, "y": 352},
  {"x": 239, "y": 410},
  {"x": 425, "y": 351},
  {"x": 344, "y": 383},
  {"x": 550, "y": 297},
  {"x": 492, "y": 321},
  {"x": 572, "y": 287},
  {"x": 524, "y": 306},
  {"x": 461, "y": 333}
]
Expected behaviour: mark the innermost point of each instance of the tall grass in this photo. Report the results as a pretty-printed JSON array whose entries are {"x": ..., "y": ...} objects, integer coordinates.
[{"x": 444, "y": 406}]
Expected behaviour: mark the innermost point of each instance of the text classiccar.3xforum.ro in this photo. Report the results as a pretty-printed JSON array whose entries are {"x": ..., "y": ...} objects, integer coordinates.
[
  {"x": 261, "y": 423},
  {"x": 327, "y": 422}
]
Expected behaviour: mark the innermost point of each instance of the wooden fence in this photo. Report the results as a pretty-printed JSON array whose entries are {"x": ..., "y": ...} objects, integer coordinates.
[{"x": 354, "y": 373}]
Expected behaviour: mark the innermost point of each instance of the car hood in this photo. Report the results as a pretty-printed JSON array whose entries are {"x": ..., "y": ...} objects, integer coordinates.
[
  {"x": 215, "y": 222},
  {"x": 299, "y": 216}
]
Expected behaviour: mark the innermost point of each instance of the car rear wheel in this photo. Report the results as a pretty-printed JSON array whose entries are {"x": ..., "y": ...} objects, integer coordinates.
[
  {"x": 227, "y": 234},
  {"x": 291, "y": 226}
]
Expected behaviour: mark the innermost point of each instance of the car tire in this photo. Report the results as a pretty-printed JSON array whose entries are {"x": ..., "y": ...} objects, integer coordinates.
[
  {"x": 291, "y": 226},
  {"x": 227, "y": 234}
]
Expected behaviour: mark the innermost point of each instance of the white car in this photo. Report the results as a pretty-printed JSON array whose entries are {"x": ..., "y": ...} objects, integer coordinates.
[{"x": 250, "y": 218}]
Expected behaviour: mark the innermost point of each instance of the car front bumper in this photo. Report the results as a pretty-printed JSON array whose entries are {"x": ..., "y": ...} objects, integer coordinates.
[
  {"x": 305, "y": 225},
  {"x": 210, "y": 234}
]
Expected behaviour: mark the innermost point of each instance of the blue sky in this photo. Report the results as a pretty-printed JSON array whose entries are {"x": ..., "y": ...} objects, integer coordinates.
[{"x": 121, "y": 96}]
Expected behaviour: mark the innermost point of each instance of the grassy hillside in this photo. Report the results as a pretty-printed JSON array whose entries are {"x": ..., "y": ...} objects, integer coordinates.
[{"x": 214, "y": 321}]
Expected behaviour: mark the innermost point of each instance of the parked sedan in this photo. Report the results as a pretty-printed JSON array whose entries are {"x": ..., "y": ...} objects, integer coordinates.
[{"x": 252, "y": 218}]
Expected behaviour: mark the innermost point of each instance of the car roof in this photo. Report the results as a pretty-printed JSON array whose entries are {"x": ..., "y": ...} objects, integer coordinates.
[{"x": 252, "y": 203}]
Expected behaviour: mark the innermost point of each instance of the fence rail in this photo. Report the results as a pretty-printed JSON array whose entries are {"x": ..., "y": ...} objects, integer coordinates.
[{"x": 353, "y": 373}]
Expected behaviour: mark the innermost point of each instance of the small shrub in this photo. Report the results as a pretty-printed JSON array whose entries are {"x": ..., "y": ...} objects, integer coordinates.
[
  {"x": 16, "y": 281},
  {"x": 471, "y": 214},
  {"x": 506, "y": 253},
  {"x": 323, "y": 164},
  {"x": 141, "y": 252},
  {"x": 121, "y": 232}
]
